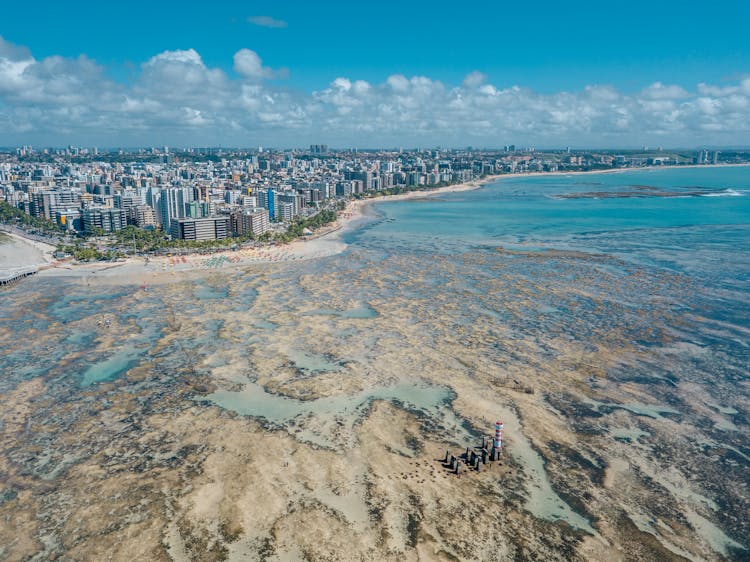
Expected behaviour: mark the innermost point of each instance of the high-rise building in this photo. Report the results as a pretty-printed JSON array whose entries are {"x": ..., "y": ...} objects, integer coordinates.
[
  {"x": 145, "y": 217},
  {"x": 344, "y": 189},
  {"x": 267, "y": 200},
  {"x": 251, "y": 221},
  {"x": 231, "y": 196},
  {"x": 365, "y": 177},
  {"x": 209, "y": 228},
  {"x": 69, "y": 219},
  {"x": 702, "y": 157},
  {"x": 128, "y": 201},
  {"x": 295, "y": 199},
  {"x": 285, "y": 211},
  {"x": 197, "y": 209},
  {"x": 249, "y": 201},
  {"x": 47, "y": 203},
  {"x": 173, "y": 204},
  {"x": 102, "y": 218}
]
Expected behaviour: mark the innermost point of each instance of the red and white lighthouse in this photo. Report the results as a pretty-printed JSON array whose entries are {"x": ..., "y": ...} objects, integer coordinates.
[{"x": 498, "y": 442}]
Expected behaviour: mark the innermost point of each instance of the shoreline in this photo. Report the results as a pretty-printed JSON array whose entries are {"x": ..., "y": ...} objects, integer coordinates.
[
  {"x": 477, "y": 184},
  {"x": 325, "y": 242},
  {"x": 32, "y": 253},
  {"x": 46, "y": 249}
]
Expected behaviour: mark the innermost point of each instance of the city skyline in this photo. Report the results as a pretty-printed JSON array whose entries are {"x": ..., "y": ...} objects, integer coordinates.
[
  {"x": 241, "y": 75},
  {"x": 208, "y": 194}
]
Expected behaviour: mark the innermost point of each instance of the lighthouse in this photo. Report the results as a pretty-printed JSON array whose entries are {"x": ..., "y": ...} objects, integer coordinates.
[{"x": 498, "y": 442}]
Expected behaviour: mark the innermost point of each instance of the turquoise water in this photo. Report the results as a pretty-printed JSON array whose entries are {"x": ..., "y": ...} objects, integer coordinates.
[
  {"x": 254, "y": 400},
  {"x": 363, "y": 312},
  {"x": 693, "y": 234},
  {"x": 701, "y": 230},
  {"x": 110, "y": 368},
  {"x": 526, "y": 213}
]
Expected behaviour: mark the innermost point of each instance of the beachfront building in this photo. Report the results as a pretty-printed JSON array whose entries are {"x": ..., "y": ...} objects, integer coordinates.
[
  {"x": 284, "y": 211},
  {"x": 69, "y": 219},
  {"x": 102, "y": 218},
  {"x": 267, "y": 200},
  {"x": 254, "y": 221},
  {"x": 174, "y": 204},
  {"x": 144, "y": 217},
  {"x": 208, "y": 228},
  {"x": 294, "y": 199},
  {"x": 48, "y": 203}
]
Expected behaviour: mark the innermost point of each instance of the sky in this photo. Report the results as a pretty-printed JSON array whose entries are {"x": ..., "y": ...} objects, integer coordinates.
[{"x": 375, "y": 74}]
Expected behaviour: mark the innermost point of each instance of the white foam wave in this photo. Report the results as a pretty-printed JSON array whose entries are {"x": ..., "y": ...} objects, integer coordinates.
[{"x": 725, "y": 193}]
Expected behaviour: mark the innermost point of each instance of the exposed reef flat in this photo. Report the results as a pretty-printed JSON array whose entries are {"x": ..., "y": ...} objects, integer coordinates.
[
  {"x": 282, "y": 412},
  {"x": 301, "y": 410}
]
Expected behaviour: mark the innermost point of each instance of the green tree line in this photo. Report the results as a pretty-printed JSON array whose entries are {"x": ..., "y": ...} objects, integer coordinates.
[
  {"x": 13, "y": 215},
  {"x": 298, "y": 226}
]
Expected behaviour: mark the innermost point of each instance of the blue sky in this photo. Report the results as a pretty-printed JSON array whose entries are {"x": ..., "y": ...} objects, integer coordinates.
[{"x": 547, "y": 49}]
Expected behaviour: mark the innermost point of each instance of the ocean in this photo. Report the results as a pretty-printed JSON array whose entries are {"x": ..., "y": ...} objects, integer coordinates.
[{"x": 603, "y": 317}]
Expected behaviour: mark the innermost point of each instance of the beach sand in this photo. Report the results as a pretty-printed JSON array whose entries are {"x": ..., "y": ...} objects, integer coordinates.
[
  {"x": 17, "y": 252},
  {"x": 326, "y": 241}
]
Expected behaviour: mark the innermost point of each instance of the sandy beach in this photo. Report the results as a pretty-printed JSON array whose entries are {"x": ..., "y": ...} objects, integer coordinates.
[
  {"x": 18, "y": 252},
  {"x": 326, "y": 241}
]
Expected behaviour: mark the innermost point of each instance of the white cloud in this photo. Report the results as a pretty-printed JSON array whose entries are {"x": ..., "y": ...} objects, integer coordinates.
[
  {"x": 709, "y": 90},
  {"x": 474, "y": 79},
  {"x": 12, "y": 52},
  {"x": 398, "y": 82},
  {"x": 342, "y": 84},
  {"x": 248, "y": 64},
  {"x": 12, "y": 74},
  {"x": 190, "y": 56},
  {"x": 659, "y": 91},
  {"x": 267, "y": 21},
  {"x": 177, "y": 99}
]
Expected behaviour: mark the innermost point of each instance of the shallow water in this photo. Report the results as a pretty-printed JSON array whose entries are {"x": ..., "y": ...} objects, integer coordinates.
[
  {"x": 254, "y": 400},
  {"x": 111, "y": 367}
]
